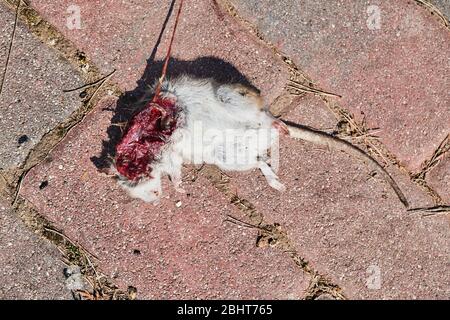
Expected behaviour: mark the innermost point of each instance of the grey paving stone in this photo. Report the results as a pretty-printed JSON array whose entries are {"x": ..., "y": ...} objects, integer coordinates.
[
  {"x": 32, "y": 101},
  {"x": 443, "y": 6},
  {"x": 30, "y": 267}
]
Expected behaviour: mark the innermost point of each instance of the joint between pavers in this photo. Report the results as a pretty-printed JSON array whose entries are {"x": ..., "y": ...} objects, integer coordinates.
[
  {"x": 11, "y": 180},
  {"x": 298, "y": 83},
  {"x": 376, "y": 149},
  {"x": 307, "y": 84},
  {"x": 438, "y": 154},
  {"x": 435, "y": 11},
  {"x": 420, "y": 178},
  {"x": 100, "y": 286},
  {"x": 51, "y": 139},
  {"x": 270, "y": 235},
  {"x": 347, "y": 126},
  {"x": 304, "y": 79},
  {"x": 51, "y": 37}
]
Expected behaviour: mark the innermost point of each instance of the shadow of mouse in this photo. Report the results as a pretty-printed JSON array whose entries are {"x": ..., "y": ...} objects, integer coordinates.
[{"x": 135, "y": 103}]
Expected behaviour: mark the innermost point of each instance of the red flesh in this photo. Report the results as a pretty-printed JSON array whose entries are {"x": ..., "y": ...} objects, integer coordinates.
[{"x": 147, "y": 132}]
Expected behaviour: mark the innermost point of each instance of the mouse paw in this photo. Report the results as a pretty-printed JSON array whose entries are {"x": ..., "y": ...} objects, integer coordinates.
[
  {"x": 277, "y": 185},
  {"x": 281, "y": 127},
  {"x": 180, "y": 190}
]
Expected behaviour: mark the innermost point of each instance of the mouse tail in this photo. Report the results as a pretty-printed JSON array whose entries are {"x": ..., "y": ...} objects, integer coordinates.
[{"x": 321, "y": 138}]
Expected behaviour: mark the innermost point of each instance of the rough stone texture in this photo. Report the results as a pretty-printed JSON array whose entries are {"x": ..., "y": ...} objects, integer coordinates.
[
  {"x": 325, "y": 297},
  {"x": 443, "y": 6},
  {"x": 347, "y": 224},
  {"x": 313, "y": 112},
  {"x": 396, "y": 75},
  {"x": 165, "y": 251},
  {"x": 122, "y": 35},
  {"x": 439, "y": 179},
  {"x": 32, "y": 101},
  {"x": 30, "y": 267}
]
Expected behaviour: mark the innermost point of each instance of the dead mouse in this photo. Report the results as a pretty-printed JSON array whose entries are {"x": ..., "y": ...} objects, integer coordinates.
[{"x": 199, "y": 121}]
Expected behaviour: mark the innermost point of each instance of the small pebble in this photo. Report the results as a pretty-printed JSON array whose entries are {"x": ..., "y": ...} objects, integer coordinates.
[
  {"x": 43, "y": 184},
  {"x": 23, "y": 139}
]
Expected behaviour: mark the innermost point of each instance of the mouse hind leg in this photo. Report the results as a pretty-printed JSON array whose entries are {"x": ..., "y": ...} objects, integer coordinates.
[
  {"x": 271, "y": 177},
  {"x": 148, "y": 190},
  {"x": 173, "y": 167}
]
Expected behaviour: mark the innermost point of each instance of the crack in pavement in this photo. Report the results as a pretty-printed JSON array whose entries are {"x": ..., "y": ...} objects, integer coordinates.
[
  {"x": 271, "y": 235},
  {"x": 346, "y": 123},
  {"x": 435, "y": 11},
  {"x": 12, "y": 179}
]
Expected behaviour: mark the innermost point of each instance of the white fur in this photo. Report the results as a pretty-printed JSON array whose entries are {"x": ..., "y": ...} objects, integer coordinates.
[{"x": 218, "y": 125}]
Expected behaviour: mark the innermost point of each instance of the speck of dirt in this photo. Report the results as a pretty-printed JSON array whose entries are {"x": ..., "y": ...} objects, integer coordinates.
[
  {"x": 22, "y": 139},
  {"x": 136, "y": 252},
  {"x": 43, "y": 184},
  {"x": 83, "y": 94}
]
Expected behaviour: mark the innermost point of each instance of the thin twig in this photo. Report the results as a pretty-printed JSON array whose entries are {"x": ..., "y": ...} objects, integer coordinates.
[
  {"x": 101, "y": 85},
  {"x": 166, "y": 62},
  {"x": 432, "y": 214},
  {"x": 435, "y": 10},
  {"x": 298, "y": 86},
  {"x": 241, "y": 223},
  {"x": 4, "y": 179},
  {"x": 8, "y": 57},
  {"x": 432, "y": 209},
  {"x": 86, "y": 252},
  {"x": 441, "y": 150},
  {"x": 17, "y": 192},
  {"x": 90, "y": 84},
  {"x": 19, "y": 187}
]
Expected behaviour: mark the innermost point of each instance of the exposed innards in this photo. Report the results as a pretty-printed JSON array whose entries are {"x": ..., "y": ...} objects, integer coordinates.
[{"x": 146, "y": 134}]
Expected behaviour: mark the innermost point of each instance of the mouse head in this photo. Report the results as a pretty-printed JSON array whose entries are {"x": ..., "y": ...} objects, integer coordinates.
[{"x": 239, "y": 94}]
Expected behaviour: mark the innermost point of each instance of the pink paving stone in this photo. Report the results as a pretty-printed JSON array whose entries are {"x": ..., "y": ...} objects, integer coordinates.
[
  {"x": 439, "y": 179},
  {"x": 396, "y": 75},
  {"x": 122, "y": 35},
  {"x": 165, "y": 251},
  {"x": 30, "y": 267},
  {"x": 348, "y": 225},
  {"x": 313, "y": 112}
]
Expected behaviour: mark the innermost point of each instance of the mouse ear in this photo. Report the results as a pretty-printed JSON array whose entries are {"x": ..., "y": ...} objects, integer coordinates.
[{"x": 225, "y": 93}]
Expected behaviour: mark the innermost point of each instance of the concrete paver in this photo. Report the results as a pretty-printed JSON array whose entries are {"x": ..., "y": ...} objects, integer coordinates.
[
  {"x": 181, "y": 248},
  {"x": 348, "y": 225},
  {"x": 439, "y": 179},
  {"x": 32, "y": 101},
  {"x": 389, "y": 61},
  {"x": 31, "y": 268},
  {"x": 351, "y": 227},
  {"x": 122, "y": 35}
]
